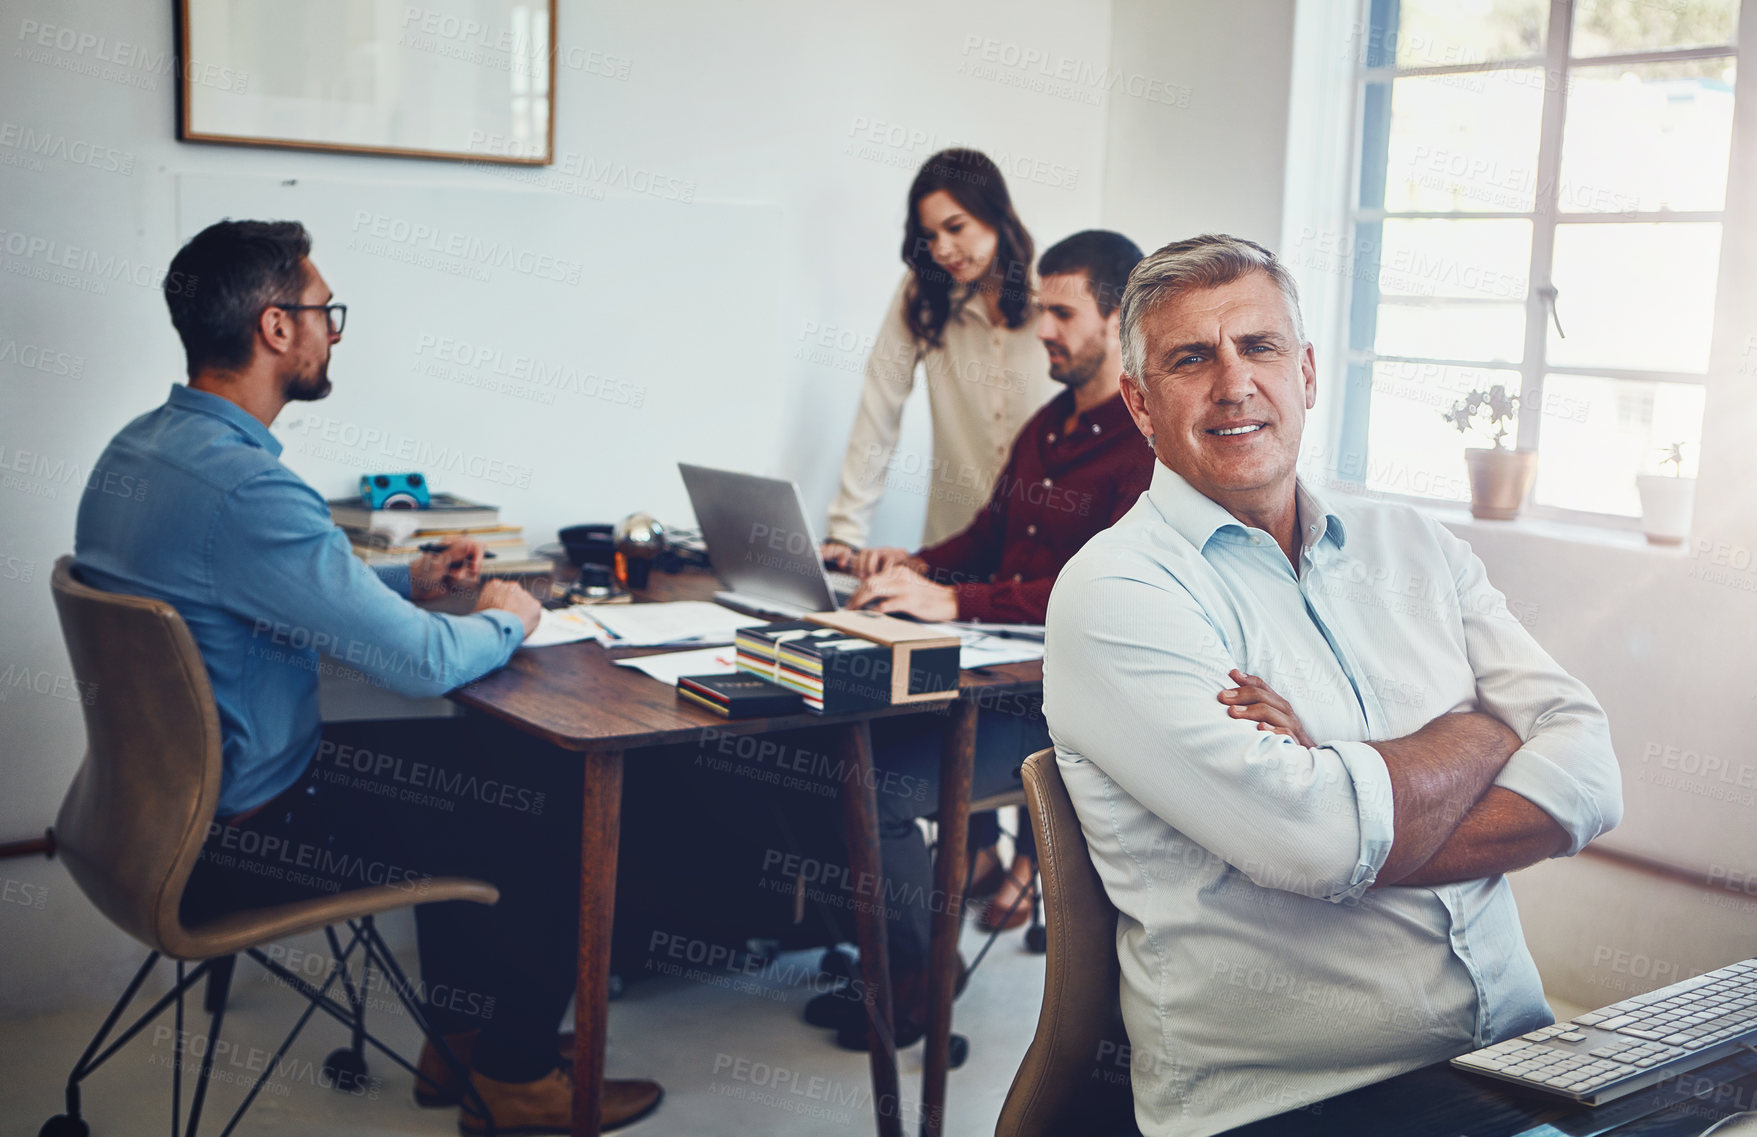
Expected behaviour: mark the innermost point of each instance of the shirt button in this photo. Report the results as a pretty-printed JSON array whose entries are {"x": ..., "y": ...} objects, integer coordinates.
[
  {"x": 1030, "y": 530},
  {"x": 1052, "y": 436},
  {"x": 1256, "y": 540},
  {"x": 1017, "y": 577},
  {"x": 1094, "y": 428},
  {"x": 1047, "y": 482}
]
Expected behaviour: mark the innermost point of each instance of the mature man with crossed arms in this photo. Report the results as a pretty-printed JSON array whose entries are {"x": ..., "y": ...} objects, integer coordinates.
[{"x": 1285, "y": 774}]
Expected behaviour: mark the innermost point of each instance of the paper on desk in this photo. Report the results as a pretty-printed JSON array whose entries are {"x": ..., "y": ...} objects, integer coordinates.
[
  {"x": 668, "y": 666},
  {"x": 678, "y": 621},
  {"x": 564, "y": 626},
  {"x": 988, "y": 651}
]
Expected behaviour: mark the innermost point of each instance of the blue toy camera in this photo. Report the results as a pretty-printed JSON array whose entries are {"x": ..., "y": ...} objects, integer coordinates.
[{"x": 393, "y": 491}]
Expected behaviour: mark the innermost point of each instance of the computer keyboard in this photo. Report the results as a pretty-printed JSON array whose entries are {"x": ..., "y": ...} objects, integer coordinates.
[
  {"x": 842, "y": 584},
  {"x": 1631, "y": 1045}
]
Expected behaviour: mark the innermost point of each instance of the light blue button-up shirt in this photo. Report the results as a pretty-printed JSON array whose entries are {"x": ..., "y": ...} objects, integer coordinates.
[
  {"x": 1259, "y": 973},
  {"x": 190, "y": 504}
]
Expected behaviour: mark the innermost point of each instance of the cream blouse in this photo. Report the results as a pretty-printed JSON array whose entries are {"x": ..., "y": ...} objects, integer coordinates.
[{"x": 983, "y": 382}]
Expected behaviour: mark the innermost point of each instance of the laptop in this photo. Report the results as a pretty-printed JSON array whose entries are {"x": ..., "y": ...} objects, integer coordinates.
[{"x": 762, "y": 547}]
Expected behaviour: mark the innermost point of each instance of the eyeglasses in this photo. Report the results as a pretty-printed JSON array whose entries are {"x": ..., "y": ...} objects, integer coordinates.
[{"x": 336, "y": 314}]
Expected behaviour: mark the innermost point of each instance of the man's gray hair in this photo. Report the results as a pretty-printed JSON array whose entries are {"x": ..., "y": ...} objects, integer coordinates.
[{"x": 1208, "y": 261}]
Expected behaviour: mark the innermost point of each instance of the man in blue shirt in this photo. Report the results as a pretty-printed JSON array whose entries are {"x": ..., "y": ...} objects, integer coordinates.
[
  {"x": 1305, "y": 738},
  {"x": 247, "y": 554}
]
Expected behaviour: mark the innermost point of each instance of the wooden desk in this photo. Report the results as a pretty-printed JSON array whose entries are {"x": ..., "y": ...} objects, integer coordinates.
[
  {"x": 1438, "y": 1101},
  {"x": 574, "y": 697}
]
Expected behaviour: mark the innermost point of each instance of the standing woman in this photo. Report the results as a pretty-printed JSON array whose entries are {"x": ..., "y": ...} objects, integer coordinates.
[{"x": 964, "y": 310}]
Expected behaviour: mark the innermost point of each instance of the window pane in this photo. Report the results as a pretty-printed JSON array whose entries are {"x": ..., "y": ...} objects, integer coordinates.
[
  {"x": 1611, "y": 27},
  {"x": 1647, "y": 136},
  {"x": 1411, "y": 447},
  {"x": 1478, "y": 260},
  {"x": 1465, "y": 142},
  {"x": 1492, "y": 333},
  {"x": 1440, "y": 33},
  {"x": 1599, "y": 433},
  {"x": 1635, "y": 296}
]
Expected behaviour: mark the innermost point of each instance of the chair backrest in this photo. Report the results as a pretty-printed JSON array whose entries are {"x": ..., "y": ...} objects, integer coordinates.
[
  {"x": 1075, "y": 1075},
  {"x": 134, "y": 819}
]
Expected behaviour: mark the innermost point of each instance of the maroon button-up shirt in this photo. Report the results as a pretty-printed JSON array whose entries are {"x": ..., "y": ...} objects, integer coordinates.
[{"x": 1059, "y": 487}]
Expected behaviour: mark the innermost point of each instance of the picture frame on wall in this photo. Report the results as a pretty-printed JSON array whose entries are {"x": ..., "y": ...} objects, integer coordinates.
[{"x": 466, "y": 80}]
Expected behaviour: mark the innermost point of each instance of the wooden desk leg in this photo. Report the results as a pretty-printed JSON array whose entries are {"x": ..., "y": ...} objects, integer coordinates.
[
  {"x": 860, "y": 821},
  {"x": 957, "y": 767},
  {"x": 600, "y": 825}
]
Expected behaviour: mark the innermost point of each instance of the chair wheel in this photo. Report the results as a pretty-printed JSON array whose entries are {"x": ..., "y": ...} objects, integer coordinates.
[
  {"x": 346, "y": 1069},
  {"x": 63, "y": 1126},
  {"x": 839, "y": 963},
  {"x": 957, "y": 1052},
  {"x": 1037, "y": 939},
  {"x": 617, "y": 987}
]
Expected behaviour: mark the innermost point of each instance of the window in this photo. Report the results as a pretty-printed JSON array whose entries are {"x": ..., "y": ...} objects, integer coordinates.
[{"x": 1539, "y": 206}]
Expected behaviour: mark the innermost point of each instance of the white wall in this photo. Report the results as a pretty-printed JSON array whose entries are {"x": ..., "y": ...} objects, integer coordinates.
[
  {"x": 797, "y": 119},
  {"x": 1212, "y": 158}
]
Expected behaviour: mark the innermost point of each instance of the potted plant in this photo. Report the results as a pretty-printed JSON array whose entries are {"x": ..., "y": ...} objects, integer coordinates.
[
  {"x": 1667, "y": 499},
  {"x": 1499, "y": 478}
]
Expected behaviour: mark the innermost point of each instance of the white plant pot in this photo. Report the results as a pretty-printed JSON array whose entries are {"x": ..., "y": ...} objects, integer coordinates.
[{"x": 1666, "y": 503}]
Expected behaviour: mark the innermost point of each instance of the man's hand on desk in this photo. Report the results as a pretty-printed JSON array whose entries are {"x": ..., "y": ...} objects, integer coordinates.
[
  {"x": 454, "y": 568},
  {"x": 510, "y": 596},
  {"x": 900, "y": 589}
]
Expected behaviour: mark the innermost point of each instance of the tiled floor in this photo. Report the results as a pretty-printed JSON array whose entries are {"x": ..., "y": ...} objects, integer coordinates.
[{"x": 732, "y": 1061}]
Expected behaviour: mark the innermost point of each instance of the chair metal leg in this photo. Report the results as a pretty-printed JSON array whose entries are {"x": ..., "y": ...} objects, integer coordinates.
[
  {"x": 346, "y": 1066},
  {"x": 219, "y": 982},
  {"x": 177, "y": 1052},
  {"x": 411, "y": 1001}
]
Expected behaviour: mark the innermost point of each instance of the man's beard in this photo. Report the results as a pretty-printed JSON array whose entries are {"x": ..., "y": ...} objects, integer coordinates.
[
  {"x": 1080, "y": 368},
  {"x": 308, "y": 388}
]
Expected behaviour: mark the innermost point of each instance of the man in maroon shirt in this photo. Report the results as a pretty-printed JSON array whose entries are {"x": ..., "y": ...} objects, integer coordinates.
[{"x": 1075, "y": 468}]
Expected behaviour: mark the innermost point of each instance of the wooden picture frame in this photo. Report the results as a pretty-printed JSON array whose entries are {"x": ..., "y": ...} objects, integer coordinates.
[{"x": 463, "y": 80}]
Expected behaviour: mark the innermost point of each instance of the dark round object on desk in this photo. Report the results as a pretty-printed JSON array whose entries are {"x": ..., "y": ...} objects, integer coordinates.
[
  {"x": 63, "y": 1126},
  {"x": 1037, "y": 939},
  {"x": 589, "y": 544},
  {"x": 346, "y": 1068}
]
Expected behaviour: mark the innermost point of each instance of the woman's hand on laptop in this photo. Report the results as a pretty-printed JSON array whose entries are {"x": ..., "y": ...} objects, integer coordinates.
[
  {"x": 899, "y": 589},
  {"x": 869, "y": 562},
  {"x": 837, "y": 555}
]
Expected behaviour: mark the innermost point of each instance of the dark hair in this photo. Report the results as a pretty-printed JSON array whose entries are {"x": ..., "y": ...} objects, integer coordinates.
[
  {"x": 243, "y": 267},
  {"x": 976, "y": 184},
  {"x": 1105, "y": 257}
]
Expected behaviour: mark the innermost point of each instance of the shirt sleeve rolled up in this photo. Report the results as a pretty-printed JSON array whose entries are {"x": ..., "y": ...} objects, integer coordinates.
[{"x": 1130, "y": 684}]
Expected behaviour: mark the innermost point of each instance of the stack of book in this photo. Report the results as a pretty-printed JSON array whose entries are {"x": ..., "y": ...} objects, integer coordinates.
[
  {"x": 738, "y": 695},
  {"x": 833, "y": 670},
  {"x": 395, "y": 536}
]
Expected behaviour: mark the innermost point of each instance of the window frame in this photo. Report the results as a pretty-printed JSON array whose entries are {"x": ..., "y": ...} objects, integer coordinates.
[{"x": 1375, "y": 67}]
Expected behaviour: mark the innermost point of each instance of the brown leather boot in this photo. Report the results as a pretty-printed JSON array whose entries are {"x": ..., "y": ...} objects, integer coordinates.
[
  {"x": 445, "y": 1087},
  {"x": 546, "y": 1105}
]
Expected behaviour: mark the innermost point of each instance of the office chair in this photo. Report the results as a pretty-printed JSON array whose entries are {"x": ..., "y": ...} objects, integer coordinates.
[
  {"x": 1075, "y": 1075},
  {"x": 132, "y": 826}
]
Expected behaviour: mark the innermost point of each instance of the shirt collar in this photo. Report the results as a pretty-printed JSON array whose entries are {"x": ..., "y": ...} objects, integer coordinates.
[
  {"x": 208, "y": 403},
  {"x": 1197, "y": 517}
]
